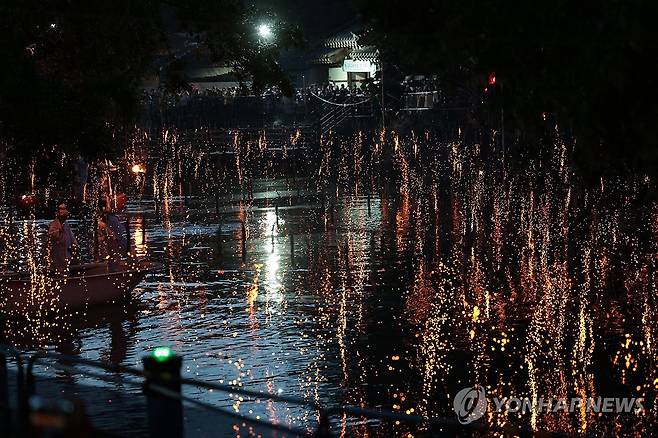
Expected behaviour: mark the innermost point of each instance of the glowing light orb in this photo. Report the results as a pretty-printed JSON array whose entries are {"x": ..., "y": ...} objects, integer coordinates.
[
  {"x": 138, "y": 168},
  {"x": 265, "y": 31}
]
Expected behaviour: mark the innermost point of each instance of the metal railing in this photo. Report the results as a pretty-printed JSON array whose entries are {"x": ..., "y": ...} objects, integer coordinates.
[
  {"x": 161, "y": 383},
  {"x": 7, "y": 423}
]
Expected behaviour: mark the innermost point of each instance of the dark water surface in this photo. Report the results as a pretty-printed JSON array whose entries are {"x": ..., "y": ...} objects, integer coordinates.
[{"x": 395, "y": 301}]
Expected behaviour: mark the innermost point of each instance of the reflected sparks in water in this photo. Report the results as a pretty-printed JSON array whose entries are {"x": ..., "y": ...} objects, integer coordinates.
[{"x": 399, "y": 271}]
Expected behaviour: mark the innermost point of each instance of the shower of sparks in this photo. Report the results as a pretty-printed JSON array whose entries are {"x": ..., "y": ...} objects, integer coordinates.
[{"x": 378, "y": 269}]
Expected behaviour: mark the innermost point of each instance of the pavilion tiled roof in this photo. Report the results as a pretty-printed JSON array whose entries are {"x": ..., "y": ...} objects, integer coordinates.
[
  {"x": 367, "y": 53},
  {"x": 352, "y": 43},
  {"x": 329, "y": 56},
  {"x": 348, "y": 40}
]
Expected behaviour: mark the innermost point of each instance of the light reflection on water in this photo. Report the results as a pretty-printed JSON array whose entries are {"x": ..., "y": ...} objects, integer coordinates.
[{"x": 400, "y": 305}]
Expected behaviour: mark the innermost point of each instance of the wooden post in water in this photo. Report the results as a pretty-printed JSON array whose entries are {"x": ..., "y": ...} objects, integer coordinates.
[
  {"x": 368, "y": 203},
  {"x": 156, "y": 202},
  {"x": 127, "y": 235},
  {"x": 96, "y": 255},
  {"x": 244, "y": 239},
  {"x": 219, "y": 239},
  {"x": 292, "y": 246}
]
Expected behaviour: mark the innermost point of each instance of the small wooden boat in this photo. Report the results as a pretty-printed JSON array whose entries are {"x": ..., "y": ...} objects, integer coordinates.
[{"x": 87, "y": 285}]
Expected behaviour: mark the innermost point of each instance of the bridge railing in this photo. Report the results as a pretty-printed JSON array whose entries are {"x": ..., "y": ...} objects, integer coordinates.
[{"x": 160, "y": 381}]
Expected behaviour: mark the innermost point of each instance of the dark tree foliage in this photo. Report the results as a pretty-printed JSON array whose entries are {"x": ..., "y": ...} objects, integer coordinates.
[
  {"x": 73, "y": 69},
  {"x": 586, "y": 64},
  {"x": 226, "y": 32}
]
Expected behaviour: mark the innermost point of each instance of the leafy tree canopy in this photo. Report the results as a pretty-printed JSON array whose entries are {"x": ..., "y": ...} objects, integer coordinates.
[
  {"x": 586, "y": 64},
  {"x": 73, "y": 69}
]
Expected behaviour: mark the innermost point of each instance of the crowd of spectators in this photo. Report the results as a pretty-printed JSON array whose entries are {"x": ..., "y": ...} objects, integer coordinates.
[
  {"x": 420, "y": 84},
  {"x": 329, "y": 91},
  {"x": 333, "y": 91},
  {"x": 182, "y": 96},
  {"x": 419, "y": 92}
]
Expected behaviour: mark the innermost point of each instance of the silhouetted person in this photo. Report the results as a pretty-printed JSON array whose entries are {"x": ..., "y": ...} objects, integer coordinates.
[
  {"x": 119, "y": 231},
  {"x": 61, "y": 242},
  {"x": 109, "y": 248}
]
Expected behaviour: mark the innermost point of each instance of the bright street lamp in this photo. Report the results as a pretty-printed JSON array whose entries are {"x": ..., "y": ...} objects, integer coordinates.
[{"x": 265, "y": 31}]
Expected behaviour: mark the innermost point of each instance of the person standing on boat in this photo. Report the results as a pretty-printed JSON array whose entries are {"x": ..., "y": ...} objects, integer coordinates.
[
  {"x": 111, "y": 238},
  {"x": 118, "y": 229},
  {"x": 62, "y": 241}
]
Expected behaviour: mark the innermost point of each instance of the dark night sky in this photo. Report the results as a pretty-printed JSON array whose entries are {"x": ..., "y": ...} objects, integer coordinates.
[{"x": 316, "y": 18}]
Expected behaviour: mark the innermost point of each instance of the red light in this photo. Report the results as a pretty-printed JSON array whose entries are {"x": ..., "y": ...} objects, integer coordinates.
[{"x": 492, "y": 78}]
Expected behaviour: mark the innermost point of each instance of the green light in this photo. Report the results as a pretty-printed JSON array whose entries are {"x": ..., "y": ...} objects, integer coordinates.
[{"x": 162, "y": 354}]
